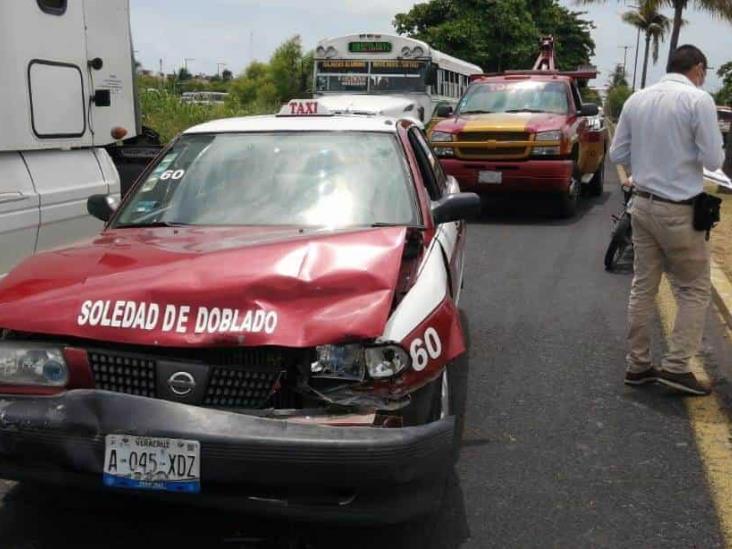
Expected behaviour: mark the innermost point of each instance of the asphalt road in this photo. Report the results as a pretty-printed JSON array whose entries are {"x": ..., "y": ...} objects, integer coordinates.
[{"x": 558, "y": 453}]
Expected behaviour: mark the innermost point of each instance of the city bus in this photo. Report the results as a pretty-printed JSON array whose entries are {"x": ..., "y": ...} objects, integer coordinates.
[{"x": 382, "y": 64}]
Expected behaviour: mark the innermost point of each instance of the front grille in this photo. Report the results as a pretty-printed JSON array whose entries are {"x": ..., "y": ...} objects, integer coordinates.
[
  {"x": 478, "y": 152},
  {"x": 238, "y": 377},
  {"x": 501, "y": 137},
  {"x": 494, "y": 136},
  {"x": 240, "y": 388},
  {"x": 123, "y": 373}
]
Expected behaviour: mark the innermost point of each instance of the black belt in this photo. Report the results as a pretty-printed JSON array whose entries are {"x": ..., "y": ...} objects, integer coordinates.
[{"x": 652, "y": 196}]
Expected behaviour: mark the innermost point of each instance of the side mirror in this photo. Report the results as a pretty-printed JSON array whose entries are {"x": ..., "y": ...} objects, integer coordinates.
[
  {"x": 443, "y": 111},
  {"x": 589, "y": 109},
  {"x": 455, "y": 207},
  {"x": 102, "y": 206}
]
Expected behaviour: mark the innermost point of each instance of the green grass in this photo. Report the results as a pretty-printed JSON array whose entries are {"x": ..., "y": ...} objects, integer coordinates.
[{"x": 167, "y": 115}]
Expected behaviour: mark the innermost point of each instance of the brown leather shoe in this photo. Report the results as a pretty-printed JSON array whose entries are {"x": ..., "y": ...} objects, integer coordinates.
[
  {"x": 647, "y": 376},
  {"x": 686, "y": 383}
]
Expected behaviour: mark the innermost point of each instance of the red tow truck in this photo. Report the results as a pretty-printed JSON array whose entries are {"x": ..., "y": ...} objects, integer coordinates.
[{"x": 525, "y": 132}]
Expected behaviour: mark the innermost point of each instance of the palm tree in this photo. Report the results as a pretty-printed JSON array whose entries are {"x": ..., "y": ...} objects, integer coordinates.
[
  {"x": 654, "y": 25},
  {"x": 716, "y": 8}
]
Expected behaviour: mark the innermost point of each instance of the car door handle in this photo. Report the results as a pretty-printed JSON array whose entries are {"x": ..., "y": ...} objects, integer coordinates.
[{"x": 11, "y": 197}]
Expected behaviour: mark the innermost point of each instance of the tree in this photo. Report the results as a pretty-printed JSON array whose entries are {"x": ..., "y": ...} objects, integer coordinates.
[
  {"x": 724, "y": 96},
  {"x": 227, "y": 75},
  {"x": 574, "y": 44},
  {"x": 617, "y": 78},
  {"x": 499, "y": 34},
  {"x": 183, "y": 74},
  {"x": 616, "y": 99},
  {"x": 287, "y": 66},
  {"x": 717, "y": 8},
  {"x": 654, "y": 25}
]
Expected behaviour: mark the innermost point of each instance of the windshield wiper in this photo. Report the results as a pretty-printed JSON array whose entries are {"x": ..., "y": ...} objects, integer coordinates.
[
  {"x": 525, "y": 110},
  {"x": 407, "y": 225},
  {"x": 150, "y": 225},
  {"x": 476, "y": 111}
]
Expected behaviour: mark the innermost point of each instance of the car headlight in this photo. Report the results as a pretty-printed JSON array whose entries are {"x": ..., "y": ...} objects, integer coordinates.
[
  {"x": 554, "y": 135},
  {"x": 385, "y": 361},
  {"x": 440, "y": 137},
  {"x": 32, "y": 364},
  {"x": 351, "y": 362},
  {"x": 339, "y": 362}
]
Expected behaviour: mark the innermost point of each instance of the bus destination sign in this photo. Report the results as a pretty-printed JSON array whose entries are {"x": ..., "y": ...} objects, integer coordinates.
[{"x": 369, "y": 47}]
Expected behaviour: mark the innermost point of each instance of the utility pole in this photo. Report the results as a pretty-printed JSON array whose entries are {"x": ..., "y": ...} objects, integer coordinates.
[
  {"x": 635, "y": 68},
  {"x": 625, "y": 60},
  {"x": 162, "y": 74}
]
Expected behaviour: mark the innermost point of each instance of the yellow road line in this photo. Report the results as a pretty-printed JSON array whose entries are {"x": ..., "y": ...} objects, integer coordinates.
[{"x": 711, "y": 428}]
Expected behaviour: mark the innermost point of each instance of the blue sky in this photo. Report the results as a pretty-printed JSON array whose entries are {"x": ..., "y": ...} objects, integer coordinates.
[{"x": 237, "y": 31}]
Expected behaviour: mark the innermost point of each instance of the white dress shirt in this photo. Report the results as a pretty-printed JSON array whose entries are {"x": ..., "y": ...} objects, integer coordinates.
[{"x": 667, "y": 134}]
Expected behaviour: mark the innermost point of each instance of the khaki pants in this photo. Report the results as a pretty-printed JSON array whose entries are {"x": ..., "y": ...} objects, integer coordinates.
[{"x": 664, "y": 240}]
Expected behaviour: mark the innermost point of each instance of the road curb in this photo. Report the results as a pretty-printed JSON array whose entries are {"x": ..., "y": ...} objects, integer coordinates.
[{"x": 722, "y": 293}]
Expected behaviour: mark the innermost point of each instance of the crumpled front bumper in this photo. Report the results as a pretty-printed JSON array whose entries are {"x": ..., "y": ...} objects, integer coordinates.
[{"x": 255, "y": 462}]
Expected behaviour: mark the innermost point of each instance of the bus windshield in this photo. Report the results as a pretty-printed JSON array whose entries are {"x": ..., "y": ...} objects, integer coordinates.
[
  {"x": 397, "y": 76},
  {"x": 523, "y": 96}
]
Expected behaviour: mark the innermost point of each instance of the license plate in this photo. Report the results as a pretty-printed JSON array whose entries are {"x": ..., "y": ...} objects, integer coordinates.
[
  {"x": 151, "y": 463},
  {"x": 493, "y": 178}
]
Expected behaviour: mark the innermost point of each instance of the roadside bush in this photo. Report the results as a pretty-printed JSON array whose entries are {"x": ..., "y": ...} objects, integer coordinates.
[
  {"x": 616, "y": 98},
  {"x": 167, "y": 115}
]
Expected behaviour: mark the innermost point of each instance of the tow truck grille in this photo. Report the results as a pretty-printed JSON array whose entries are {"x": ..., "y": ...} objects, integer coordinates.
[
  {"x": 501, "y": 137},
  {"x": 494, "y": 136}
]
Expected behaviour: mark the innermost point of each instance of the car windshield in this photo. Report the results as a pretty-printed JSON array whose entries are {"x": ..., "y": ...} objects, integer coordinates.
[
  {"x": 522, "y": 96},
  {"x": 331, "y": 179}
]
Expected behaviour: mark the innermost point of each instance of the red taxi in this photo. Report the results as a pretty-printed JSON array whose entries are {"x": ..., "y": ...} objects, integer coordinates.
[{"x": 269, "y": 320}]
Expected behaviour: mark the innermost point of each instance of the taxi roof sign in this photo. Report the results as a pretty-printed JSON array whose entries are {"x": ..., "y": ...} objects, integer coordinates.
[{"x": 304, "y": 107}]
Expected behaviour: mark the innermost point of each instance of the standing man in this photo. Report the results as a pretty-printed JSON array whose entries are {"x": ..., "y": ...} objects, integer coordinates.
[{"x": 667, "y": 134}]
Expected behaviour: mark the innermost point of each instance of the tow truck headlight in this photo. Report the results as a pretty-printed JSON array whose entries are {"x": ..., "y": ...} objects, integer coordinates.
[
  {"x": 32, "y": 364},
  {"x": 351, "y": 362},
  {"x": 442, "y": 137},
  {"x": 554, "y": 135}
]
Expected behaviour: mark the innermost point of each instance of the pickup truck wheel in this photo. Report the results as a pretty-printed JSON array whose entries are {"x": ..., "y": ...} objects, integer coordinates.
[
  {"x": 597, "y": 183},
  {"x": 569, "y": 200}
]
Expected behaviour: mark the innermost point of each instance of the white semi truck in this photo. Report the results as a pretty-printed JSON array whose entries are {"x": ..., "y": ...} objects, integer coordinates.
[{"x": 66, "y": 92}]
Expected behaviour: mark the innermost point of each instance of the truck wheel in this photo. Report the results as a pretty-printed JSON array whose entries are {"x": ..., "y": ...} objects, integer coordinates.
[
  {"x": 597, "y": 183},
  {"x": 569, "y": 200}
]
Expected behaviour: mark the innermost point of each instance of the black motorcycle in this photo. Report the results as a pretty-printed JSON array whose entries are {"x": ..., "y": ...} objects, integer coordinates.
[{"x": 622, "y": 233}]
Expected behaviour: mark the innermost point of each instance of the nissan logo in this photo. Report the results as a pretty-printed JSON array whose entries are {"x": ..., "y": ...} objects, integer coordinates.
[{"x": 181, "y": 383}]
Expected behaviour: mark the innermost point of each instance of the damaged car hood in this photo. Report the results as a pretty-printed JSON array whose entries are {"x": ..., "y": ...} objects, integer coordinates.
[{"x": 187, "y": 286}]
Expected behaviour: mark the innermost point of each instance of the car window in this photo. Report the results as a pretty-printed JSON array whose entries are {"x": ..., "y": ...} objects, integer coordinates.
[
  {"x": 330, "y": 179},
  {"x": 577, "y": 97},
  {"x": 432, "y": 173}
]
